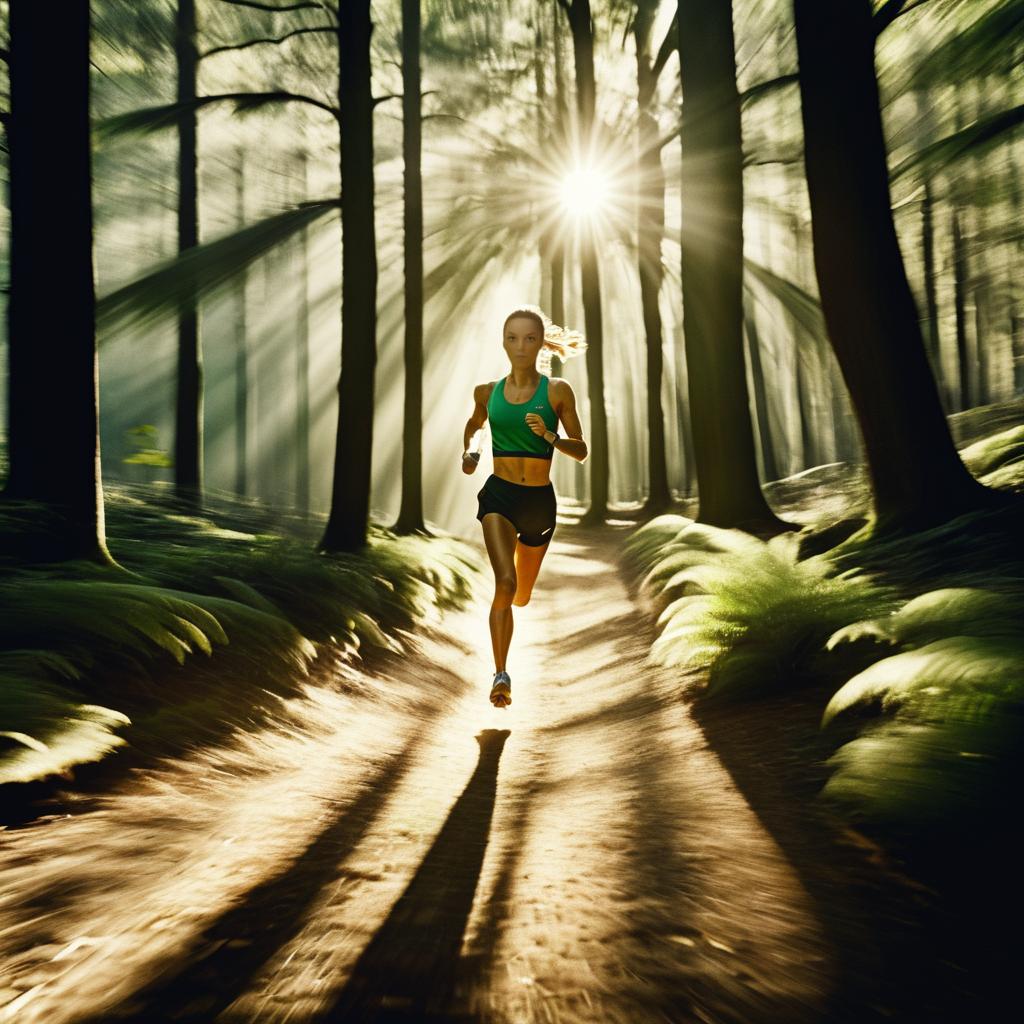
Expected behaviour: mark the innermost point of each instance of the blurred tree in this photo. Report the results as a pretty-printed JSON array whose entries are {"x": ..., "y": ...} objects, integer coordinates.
[
  {"x": 711, "y": 257},
  {"x": 301, "y": 428},
  {"x": 203, "y": 268},
  {"x": 188, "y": 419},
  {"x": 581, "y": 25},
  {"x": 410, "y": 514},
  {"x": 350, "y": 490},
  {"x": 650, "y": 231},
  {"x": 917, "y": 477},
  {"x": 53, "y": 432},
  {"x": 241, "y": 339}
]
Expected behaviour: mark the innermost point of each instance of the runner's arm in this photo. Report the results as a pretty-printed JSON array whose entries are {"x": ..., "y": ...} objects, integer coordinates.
[
  {"x": 479, "y": 417},
  {"x": 572, "y": 444}
]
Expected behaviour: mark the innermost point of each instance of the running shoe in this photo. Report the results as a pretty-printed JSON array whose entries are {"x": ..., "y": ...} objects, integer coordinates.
[{"x": 501, "y": 691}]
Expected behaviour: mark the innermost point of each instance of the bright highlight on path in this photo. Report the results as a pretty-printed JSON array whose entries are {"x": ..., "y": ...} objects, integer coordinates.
[{"x": 583, "y": 856}]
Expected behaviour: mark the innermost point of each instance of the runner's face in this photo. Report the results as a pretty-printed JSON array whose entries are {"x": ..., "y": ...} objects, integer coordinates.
[{"x": 523, "y": 339}]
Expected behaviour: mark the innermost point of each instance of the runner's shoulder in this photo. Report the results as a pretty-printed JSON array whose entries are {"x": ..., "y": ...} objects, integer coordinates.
[{"x": 482, "y": 392}]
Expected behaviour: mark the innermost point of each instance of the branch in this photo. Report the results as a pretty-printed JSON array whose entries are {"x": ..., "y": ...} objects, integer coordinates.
[
  {"x": 151, "y": 119},
  {"x": 668, "y": 44},
  {"x": 203, "y": 269},
  {"x": 763, "y": 88},
  {"x": 278, "y": 39},
  {"x": 975, "y": 138},
  {"x": 890, "y": 11},
  {"x": 383, "y": 99},
  {"x": 274, "y": 7},
  {"x": 666, "y": 139}
]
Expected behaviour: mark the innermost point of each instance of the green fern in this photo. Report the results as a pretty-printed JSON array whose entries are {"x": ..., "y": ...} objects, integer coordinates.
[
  {"x": 750, "y": 611},
  {"x": 948, "y": 746}
]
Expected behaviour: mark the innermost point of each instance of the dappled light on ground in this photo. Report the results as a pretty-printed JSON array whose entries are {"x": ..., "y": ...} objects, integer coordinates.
[{"x": 414, "y": 854}]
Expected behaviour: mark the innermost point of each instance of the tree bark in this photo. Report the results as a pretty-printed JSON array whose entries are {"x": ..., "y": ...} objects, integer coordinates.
[
  {"x": 410, "y": 515},
  {"x": 931, "y": 290},
  {"x": 350, "y": 491},
  {"x": 53, "y": 435},
  {"x": 590, "y": 275},
  {"x": 241, "y": 346},
  {"x": 917, "y": 477},
  {"x": 188, "y": 437},
  {"x": 768, "y": 459},
  {"x": 302, "y": 482},
  {"x": 650, "y": 230},
  {"x": 711, "y": 254}
]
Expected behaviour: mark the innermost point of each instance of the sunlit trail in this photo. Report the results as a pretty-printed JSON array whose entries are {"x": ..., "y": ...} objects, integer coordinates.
[{"x": 580, "y": 856}]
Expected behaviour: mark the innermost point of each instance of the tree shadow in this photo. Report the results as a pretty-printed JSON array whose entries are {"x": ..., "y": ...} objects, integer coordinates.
[
  {"x": 408, "y": 971},
  {"x": 881, "y": 925},
  {"x": 199, "y": 987}
]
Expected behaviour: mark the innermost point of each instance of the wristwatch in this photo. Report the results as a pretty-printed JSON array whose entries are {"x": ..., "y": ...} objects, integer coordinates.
[{"x": 554, "y": 436}]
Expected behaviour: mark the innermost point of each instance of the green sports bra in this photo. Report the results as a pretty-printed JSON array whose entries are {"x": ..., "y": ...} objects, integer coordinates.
[{"x": 510, "y": 433}]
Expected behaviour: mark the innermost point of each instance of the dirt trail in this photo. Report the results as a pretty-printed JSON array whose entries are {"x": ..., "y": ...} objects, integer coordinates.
[{"x": 584, "y": 855}]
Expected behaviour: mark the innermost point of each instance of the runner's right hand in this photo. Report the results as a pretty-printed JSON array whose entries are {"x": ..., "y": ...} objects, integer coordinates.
[{"x": 470, "y": 460}]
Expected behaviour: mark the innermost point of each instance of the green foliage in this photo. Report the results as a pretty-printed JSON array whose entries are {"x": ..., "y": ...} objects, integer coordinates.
[
  {"x": 973, "y": 140},
  {"x": 46, "y": 729},
  {"x": 750, "y": 611},
  {"x": 948, "y": 745},
  {"x": 78, "y": 641},
  {"x": 988, "y": 45},
  {"x": 646, "y": 546},
  {"x": 996, "y": 451},
  {"x": 143, "y": 439}
]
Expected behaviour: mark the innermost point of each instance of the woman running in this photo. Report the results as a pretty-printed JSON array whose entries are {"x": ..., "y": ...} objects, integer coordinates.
[{"x": 517, "y": 501}]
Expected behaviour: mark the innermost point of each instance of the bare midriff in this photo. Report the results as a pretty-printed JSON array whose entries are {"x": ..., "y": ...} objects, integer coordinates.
[{"x": 519, "y": 469}]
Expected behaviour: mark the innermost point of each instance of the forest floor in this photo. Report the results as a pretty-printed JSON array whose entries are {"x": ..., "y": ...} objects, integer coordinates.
[{"x": 598, "y": 851}]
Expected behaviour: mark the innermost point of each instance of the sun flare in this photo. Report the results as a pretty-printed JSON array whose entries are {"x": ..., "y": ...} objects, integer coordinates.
[{"x": 584, "y": 191}]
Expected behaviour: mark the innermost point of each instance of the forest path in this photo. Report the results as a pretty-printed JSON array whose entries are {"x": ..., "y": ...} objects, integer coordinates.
[{"x": 416, "y": 855}]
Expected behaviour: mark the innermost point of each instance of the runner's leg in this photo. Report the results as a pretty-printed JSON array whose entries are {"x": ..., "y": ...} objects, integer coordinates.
[
  {"x": 527, "y": 560},
  {"x": 500, "y": 540}
]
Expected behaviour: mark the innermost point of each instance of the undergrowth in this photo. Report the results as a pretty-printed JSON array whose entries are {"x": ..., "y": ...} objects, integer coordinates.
[
  {"x": 92, "y": 658},
  {"x": 917, "y": 638}
]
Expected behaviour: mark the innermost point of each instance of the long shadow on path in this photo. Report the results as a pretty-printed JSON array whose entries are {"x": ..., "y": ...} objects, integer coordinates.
[
  {"x": 200, "y": 987},
  {"x": 408, "y": 971},
  {"x": 892, "y": 969}
]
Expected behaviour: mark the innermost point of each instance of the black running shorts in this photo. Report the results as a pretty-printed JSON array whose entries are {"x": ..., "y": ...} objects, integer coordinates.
[{"x": 531, "y": 510}]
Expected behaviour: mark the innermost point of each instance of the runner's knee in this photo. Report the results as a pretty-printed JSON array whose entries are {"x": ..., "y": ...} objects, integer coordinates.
[{"x": 505, "y": 587}]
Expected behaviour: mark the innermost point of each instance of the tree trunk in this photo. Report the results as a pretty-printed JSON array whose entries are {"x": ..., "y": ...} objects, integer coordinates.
[
  {"x": 768, "y": 460},
  {"x": 711, "y": 255},
  {"x": 241, "y": 348},
  {"x": 410, "y": 516},
  {"x": 188, "y": 437},
  {"x": 302, "y": 484},
  {"x": 931, "y": 290},
  {"x": 650, "y": 230},
  {"x": 557, "y": 249},
  {"x": 590, "y": 275},
  {"x": 53, "y": 435},
  {"x": 963, "y": 359},
  {"x": 350, "y": 491},
  {"x": 917, "y": 477}
]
